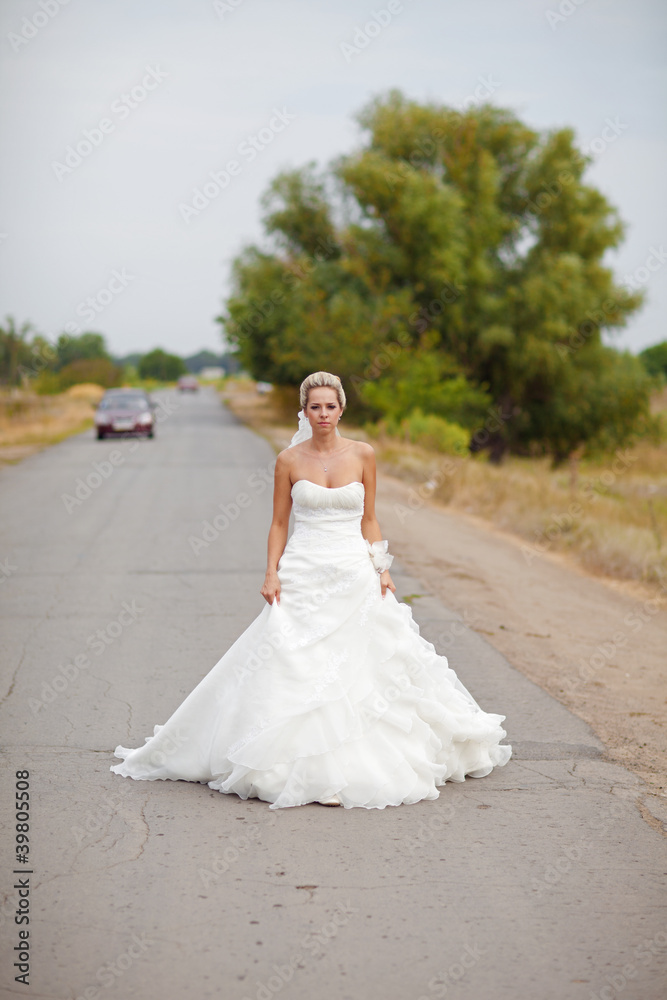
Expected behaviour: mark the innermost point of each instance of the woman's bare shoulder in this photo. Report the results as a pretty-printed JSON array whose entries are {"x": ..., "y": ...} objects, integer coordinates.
[
  {"x": 288, "y": 458},
  {"x": 361, "y": 448}
]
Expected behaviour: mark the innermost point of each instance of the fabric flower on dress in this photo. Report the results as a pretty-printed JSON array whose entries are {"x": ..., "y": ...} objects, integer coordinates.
[{"x": 379, "y": 555}]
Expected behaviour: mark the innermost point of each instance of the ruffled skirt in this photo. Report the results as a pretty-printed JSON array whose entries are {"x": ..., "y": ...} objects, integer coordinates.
[{"x": 332, "y": 692}]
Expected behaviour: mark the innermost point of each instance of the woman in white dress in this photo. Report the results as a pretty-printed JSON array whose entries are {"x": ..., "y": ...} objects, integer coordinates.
[{"x": 331, "y": 695}]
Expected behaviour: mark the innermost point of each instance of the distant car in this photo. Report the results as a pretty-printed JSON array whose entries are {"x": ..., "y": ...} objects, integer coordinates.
[
  {"x": 125, "y": 411},
  {"x": 188, "y": 383}
]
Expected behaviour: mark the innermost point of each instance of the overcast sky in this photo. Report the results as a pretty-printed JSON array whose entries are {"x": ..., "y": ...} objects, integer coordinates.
[{"x": 181, "y": 87}]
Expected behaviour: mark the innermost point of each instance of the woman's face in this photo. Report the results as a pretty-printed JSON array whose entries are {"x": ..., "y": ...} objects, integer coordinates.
[{"x": 323, "y": 408}]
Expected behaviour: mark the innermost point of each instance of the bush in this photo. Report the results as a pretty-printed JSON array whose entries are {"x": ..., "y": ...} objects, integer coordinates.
[
  {"x": 433, "y": 432},
  {"x": 101, "y": 371},
  {"x": 47, "y": 383},
  {"x": 88, "y": 391},
  {"x": 429, "y": 381}
]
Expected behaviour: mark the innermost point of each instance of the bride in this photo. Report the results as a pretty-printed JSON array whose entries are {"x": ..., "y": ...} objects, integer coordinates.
[{"x": 331, "y": 695}]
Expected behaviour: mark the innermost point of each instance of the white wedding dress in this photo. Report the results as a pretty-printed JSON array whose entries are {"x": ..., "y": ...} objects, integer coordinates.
[{"x": 331, "y": 693}]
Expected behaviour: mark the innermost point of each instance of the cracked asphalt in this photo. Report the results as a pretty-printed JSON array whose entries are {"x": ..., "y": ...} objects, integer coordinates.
[{"x": 540, "y": 881}]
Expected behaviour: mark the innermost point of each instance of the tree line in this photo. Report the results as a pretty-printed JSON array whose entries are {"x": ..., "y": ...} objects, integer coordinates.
[
  {"x": 29, "y": 360},
  {"x": 449, "y": 268}
]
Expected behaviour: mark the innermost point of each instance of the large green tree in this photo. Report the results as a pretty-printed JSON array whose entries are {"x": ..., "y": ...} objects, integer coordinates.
[{"x": 465, "y": 236}]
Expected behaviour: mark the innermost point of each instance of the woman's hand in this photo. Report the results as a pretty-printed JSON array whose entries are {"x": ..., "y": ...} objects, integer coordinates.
[
  {"x": 271, "y": 587},
  {"x": 387, "y": 583}
]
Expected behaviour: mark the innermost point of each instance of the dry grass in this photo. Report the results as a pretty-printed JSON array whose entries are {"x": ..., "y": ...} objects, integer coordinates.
[
  {"x": 29, "y": 422},
  {"x": 273, "y": 414},
  {"x": 88, "y": 391},
  {"x": 610, "y": 516}
]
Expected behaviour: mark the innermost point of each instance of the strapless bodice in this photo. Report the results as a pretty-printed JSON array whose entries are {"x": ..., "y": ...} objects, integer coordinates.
[{"x": 311, "y": 502}]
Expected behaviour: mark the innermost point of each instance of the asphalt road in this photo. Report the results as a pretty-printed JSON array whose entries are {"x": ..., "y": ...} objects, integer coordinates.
[{"x": 540, "y": 881}]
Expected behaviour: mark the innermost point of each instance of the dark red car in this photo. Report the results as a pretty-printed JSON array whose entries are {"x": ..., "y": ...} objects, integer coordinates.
[{"x": 125, "y": 411}]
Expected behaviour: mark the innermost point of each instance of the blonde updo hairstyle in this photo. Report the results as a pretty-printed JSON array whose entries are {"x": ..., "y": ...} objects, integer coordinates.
[{"x": 318, "y": 380}]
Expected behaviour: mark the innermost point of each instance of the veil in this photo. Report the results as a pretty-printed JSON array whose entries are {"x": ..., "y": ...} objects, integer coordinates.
[{"x": 305, "y": 431}]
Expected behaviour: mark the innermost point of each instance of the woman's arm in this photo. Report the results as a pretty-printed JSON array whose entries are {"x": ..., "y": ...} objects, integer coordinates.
[
  {"x": 282, "y": 504},
  {"x": 370, "y": 527}
]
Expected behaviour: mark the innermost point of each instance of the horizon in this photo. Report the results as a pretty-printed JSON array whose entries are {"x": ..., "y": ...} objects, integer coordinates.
[{"x": 159, "y": 100}]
